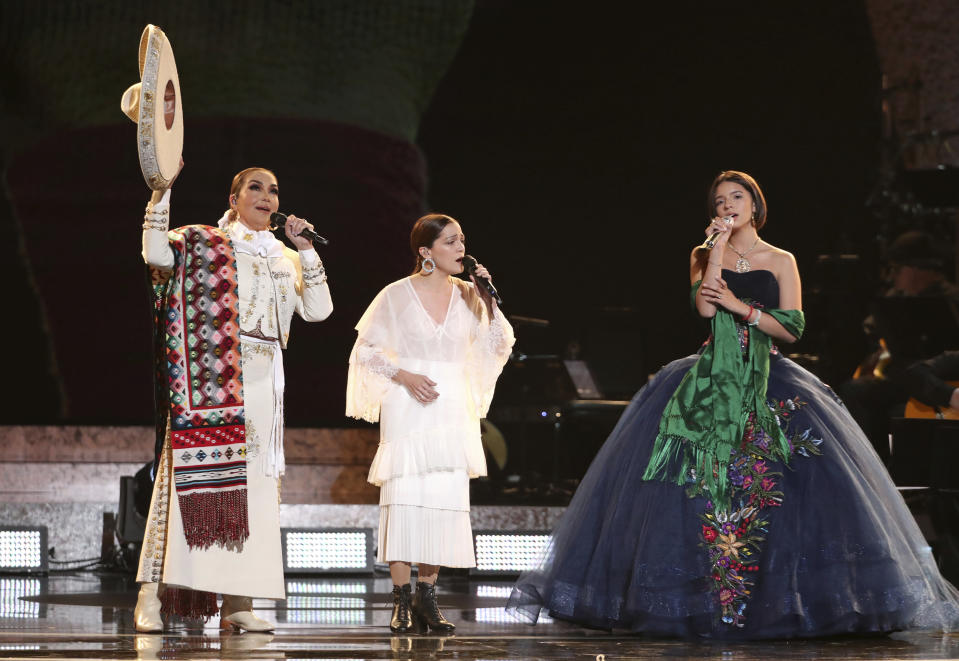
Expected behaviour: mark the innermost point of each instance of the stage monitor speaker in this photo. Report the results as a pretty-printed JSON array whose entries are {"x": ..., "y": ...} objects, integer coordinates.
[{"x": 135, "y": 494}]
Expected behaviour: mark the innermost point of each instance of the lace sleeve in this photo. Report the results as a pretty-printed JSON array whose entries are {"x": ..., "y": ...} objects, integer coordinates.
[
  {"x": 491, "y": 349},
  {"x": 499, "y": 337},
  {"x": 375, "y": 360},
  {"x": 370, "y": 378}
]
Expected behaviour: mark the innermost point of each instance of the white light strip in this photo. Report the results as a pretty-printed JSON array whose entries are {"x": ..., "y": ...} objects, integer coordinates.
[
  {"x": 510, "y": 552},
  {"x": 20, "y": 549},
  {"x": 494, "y": 591},
  {"x": 321, "y": 587},
  {"x": 501, "y": 616},
  {"x": 326, "y": 610},
  {"x": 328, "y": 603},
  {"x": 11, "y": 591},
  {"x": 326, "y": 550}
]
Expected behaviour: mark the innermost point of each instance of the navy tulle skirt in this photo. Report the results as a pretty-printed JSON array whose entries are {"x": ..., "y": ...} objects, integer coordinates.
[{"x": 822, "y": 545}]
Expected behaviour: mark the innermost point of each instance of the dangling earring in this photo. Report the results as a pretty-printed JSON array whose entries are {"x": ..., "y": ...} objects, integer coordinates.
[
  {"x": 432, "y": 265},
  {"x": 753, "y": 219}
]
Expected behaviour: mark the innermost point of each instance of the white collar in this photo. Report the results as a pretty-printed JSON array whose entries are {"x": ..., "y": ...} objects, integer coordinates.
[{"x": 252, "y": 242}]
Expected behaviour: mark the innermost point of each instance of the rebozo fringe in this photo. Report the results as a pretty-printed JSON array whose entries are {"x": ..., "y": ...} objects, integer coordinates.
[
  {"x": 195, "y": 604},
  {"x": 215, "y": 517}
]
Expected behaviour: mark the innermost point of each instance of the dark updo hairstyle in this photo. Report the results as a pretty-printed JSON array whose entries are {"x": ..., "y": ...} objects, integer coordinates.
[
  {"x": 425, "y": 231},
  {"x": 746, "y": 182}
]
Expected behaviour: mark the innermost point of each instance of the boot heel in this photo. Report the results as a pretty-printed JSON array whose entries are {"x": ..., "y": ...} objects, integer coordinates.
[
  {"x": 427, "y": 611},
  {"x": 419, "y": 624}
]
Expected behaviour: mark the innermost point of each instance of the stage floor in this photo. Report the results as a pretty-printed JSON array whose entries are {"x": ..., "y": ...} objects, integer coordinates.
[{"x": 89, "y": 616}]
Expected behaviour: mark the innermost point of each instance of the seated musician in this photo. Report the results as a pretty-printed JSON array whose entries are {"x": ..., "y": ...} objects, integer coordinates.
[
  {"x": 915, "y": 266},
  {"x": 929, "y": 381}
]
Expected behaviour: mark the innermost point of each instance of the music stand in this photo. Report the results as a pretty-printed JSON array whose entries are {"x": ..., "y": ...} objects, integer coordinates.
[{"x": 583, "y": 380}]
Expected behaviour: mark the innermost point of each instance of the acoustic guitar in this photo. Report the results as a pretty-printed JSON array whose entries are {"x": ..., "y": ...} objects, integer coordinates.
[{"x": 916, "y": 409}]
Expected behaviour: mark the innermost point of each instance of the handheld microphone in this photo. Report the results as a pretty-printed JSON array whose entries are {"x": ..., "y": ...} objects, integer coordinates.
[
  {"x": 469, "y": 263},
  {"x": 711, "y": 241},
  {"x": 279, "y": 219}
]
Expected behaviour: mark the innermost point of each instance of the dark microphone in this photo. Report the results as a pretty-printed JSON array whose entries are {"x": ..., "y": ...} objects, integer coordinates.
[
  {"x": 279, "y": 219},
  {"x": 711, "y": 241},
  {"x": 469, "y": 263}
]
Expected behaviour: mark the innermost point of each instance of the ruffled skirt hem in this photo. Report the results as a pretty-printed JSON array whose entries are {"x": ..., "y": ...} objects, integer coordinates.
[{"x": 427, "y": 451}]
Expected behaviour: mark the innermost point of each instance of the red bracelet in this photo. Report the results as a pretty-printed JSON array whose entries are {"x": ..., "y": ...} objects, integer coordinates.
[{"x": 748, "y": 315}]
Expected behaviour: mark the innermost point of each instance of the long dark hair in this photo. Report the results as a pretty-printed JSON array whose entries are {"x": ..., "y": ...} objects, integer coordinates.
[
  {"x": 425, "y": 231},
  {"x": 746, "y": 182}
]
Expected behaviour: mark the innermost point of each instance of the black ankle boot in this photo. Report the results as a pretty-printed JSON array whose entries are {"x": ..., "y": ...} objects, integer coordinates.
[
  {"x": 426, "y": 613},
  {"x": 402, "y": 620}
]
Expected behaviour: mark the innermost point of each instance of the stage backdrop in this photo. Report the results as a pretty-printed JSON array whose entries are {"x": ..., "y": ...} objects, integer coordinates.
[{"x": 575, "y": 140}]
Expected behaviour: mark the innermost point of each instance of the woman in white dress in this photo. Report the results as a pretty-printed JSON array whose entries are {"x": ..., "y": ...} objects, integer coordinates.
[
  {"x": 213, "y": 526},
  {"x": 429, "y": 350}
]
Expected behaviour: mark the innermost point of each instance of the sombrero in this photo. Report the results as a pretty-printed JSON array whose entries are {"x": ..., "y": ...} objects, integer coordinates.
[{"x": 155, "y": 105}]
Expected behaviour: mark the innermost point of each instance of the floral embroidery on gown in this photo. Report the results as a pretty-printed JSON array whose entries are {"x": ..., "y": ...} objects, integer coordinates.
[{"x": 816, "y": 542}]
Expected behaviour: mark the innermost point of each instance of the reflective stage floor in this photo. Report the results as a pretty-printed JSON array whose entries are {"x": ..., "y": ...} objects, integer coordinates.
[{"x": 89, "y": 616}]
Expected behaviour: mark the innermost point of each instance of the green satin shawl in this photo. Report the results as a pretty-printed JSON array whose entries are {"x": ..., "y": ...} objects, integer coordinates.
[{"x": 706, "y": 416}]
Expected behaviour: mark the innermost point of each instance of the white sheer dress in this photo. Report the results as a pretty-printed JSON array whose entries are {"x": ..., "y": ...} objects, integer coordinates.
[{"x": 427, "y": 452}]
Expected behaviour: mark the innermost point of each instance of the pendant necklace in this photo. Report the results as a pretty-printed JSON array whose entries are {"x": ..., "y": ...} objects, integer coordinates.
[{"x": 742, "y": 264}]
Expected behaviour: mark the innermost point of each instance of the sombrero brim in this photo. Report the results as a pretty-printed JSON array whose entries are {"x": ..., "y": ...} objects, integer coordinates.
[{"x": 159, "y": 110}]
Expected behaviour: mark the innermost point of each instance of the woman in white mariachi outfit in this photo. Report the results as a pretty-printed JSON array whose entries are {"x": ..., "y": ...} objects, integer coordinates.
[
  {"x": 272, "y": 282},
  {"x": 429, "y": 350}
]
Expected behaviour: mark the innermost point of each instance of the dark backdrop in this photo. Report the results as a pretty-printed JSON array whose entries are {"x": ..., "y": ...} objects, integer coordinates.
[
  {"x": 575, "y": 141},
  {"x": 577, "y": 147}
]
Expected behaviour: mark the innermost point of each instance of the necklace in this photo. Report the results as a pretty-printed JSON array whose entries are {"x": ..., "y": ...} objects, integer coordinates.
[{"x": 742, "y": 264}]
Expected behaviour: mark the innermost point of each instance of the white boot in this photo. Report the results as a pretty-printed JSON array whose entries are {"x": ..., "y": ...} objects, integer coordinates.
[
  {"x": 146, "y": 616},
  {"x": 237, "y": 614}
]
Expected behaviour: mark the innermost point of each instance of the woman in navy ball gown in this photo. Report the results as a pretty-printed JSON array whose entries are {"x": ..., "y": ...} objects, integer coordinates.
[{"x": 736, "y": 497}]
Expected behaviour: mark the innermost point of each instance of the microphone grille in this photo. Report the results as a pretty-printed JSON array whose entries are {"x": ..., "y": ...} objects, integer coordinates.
[
  {"x": 469, "y": 262},
  {"x": 278, "y": 219}
]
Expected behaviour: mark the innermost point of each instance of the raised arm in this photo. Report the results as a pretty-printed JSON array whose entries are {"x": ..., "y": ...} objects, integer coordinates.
[{"x": 156, "y": 224}]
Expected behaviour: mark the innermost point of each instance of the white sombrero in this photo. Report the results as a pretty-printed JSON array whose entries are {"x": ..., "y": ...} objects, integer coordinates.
[{"x": 154, "y": 104}]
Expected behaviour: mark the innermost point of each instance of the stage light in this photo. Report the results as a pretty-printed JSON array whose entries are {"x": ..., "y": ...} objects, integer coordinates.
[
  {"x": 326, "y": 610},
  {"x": 23, "y": 549},
  {"x": 327, "y": 550},
  {"x": 12, "y": 591},
  {"x": 501, "y": 616},
  {"x": 508, "y": 553},
  {"x": 325, "y": 587},
  {"x": 497, "y": 591}
]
